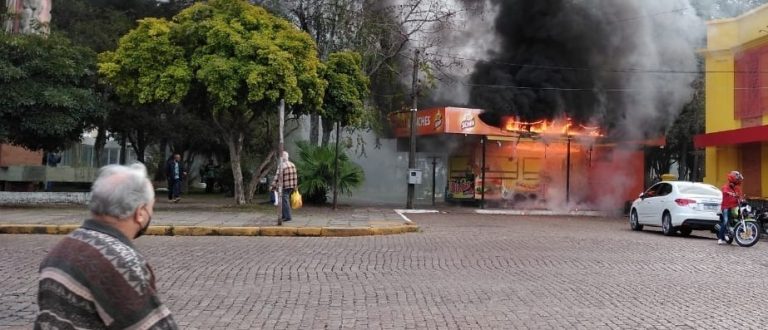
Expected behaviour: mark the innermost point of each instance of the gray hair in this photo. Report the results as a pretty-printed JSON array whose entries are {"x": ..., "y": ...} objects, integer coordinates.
[{"x": 119, "y": 190}]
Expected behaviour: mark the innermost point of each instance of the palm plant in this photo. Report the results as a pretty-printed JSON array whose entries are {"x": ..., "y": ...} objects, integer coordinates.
[{"x": 315, "y": 167}]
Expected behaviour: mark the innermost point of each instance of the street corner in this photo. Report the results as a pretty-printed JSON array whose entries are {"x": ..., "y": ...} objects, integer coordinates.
[{"x": 38, "y": 229}]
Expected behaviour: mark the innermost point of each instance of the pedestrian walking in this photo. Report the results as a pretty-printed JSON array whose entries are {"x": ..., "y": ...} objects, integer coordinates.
[
  {"x": 174, "y": 172},
  {"x": 95, "y": 278},
  {"x": 290, "y": 182}
]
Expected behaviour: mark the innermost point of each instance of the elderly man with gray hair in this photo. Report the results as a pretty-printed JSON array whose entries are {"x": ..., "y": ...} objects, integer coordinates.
[
  {"x": 290, "y": 182},
  {"x": 95, "y": 278}
]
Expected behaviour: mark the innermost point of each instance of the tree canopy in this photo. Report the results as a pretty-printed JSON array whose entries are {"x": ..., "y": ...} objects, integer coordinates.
[
  {"x": 45, "y": 97},
  {"x": 233, "y": 57},
  {"x": 347, "y": 89}
]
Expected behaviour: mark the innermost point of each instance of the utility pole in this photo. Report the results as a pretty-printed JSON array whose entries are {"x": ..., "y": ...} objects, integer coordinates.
[
  {"x": 568, "y": 171},
  {"x": 414, "y": 107},
  {"x": 281, "y": 147},
  {"x": 434, "y": 174},
  {"x": 336, "y": 165}
]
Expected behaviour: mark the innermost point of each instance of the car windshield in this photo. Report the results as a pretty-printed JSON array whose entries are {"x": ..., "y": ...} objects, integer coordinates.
[{"x": 699, "y": 189}]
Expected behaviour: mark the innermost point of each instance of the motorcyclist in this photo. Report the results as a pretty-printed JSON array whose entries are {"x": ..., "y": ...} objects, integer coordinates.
[{"x": 731, "y": 196}]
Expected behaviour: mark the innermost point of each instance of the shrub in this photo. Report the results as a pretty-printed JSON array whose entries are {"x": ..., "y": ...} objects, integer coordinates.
[{"x": 315, "y": 167}]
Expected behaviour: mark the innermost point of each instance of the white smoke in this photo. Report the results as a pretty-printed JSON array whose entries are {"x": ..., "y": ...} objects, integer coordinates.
[
  {"x": 667, "y": 36},
  {"x": 470, "y": 39}
]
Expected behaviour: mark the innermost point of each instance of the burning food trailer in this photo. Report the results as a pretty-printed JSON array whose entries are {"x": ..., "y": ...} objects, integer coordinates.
[{"x": 545, "y": 164}]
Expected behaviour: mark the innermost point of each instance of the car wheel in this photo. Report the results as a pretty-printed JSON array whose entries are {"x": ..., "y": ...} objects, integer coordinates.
[
  {"x": 634, "y": 222},
  {"x": 686, "y": 231},
  {"x": 666, "y": 225}
]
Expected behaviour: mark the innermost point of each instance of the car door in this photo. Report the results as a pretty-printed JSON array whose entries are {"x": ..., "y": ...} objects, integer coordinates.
[
  {"x": 645, "y": 205},
  {"x": 660, "y": 202}
]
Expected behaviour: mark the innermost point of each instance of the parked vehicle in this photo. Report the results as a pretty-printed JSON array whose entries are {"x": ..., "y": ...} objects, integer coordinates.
[
  {"x": 742, "y": 227},
  {"x": 761, "y": 216},
  {"x": 677, "y": 206}
]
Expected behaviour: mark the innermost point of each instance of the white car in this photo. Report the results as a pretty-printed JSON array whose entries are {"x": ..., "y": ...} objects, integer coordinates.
[{"x": 677, "y": 205}]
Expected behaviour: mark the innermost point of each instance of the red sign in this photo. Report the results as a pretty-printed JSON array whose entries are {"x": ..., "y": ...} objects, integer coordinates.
[{"x": 443, "y": 120}]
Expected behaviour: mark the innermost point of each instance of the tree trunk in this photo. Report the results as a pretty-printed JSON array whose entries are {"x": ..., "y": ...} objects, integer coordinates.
[
  {"x": 697, "y": 166},
  {"x": 139, "y": 145},
  {"x": 123, "y": 149},
  {"x": 257, "y": 175},
  {"x": 141, "y": 150},
  {"x": 98, "y": 145},
  {"x": 160, "y": 172},
  {"x": 314, "y": 129},
  {"x": 327, "y": 129},
  {"x": 683, "y": 167},
  {"x": 235, "y": 145}
]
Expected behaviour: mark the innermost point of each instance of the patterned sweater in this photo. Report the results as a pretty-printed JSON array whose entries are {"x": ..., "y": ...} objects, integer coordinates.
[
  {"x": 290, "y": 176},
  {"x": 95, "y": 279}
]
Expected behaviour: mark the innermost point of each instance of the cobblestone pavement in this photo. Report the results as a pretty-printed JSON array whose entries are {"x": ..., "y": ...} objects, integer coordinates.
[
  {"x": 310, "y": 216},
  {"x": 463, "y": 271}
]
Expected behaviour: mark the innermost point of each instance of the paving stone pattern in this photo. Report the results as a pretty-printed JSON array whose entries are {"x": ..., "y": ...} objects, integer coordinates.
[
  {"x": 305, "y": 217},
  {"x": 463, "y": 271},
  {"x": 36, "y": 198}
]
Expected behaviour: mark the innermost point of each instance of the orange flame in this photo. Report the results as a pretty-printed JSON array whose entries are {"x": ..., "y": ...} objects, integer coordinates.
[{"x": 564, "y": 127}]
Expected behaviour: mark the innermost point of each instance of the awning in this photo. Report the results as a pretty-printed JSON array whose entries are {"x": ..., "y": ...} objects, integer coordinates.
[{"x": 732, "y": 137}]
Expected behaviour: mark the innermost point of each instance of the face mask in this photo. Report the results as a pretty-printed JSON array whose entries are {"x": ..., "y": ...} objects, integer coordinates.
[{"x": 143, "y": 229}]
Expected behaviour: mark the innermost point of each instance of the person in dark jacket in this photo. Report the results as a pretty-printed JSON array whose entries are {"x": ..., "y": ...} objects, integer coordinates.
[{"x": 174, "y": 172}]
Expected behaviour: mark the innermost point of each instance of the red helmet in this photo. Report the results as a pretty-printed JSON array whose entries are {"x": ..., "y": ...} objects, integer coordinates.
[{"x": 735, "y": 177}]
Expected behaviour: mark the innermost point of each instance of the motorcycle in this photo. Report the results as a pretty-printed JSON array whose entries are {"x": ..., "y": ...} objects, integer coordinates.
[
  {"x": 761, "y": 216},
  {"x": 742, "y": 227}
]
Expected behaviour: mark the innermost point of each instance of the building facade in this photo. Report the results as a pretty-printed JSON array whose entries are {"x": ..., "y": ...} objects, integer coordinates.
[{"x": 736, "y": 118}]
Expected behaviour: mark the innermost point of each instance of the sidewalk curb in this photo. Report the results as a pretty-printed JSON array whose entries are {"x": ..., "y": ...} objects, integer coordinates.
[{"x": 228, "y": 231}]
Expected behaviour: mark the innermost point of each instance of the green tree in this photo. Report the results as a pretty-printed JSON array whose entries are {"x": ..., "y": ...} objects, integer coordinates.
[
  {"x": 45, "y": 96},
  {"x": 235, "y": 56},
  {"x": 680, "y": 135},
  {"x": 315, "y": 166},
  {"x": 344, "y": 100},
  {"x": 98, "y": 25}
]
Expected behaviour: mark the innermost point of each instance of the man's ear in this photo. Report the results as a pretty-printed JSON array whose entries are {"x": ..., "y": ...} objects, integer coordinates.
[{"x": 137, "y": 215}]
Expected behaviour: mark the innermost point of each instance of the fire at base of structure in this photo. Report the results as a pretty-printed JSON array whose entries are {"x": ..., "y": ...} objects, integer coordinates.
[{"x": 546, "y": 164}]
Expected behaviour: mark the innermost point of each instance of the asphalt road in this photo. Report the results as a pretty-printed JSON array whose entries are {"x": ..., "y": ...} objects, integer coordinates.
[{"x": 463, "y": 271}]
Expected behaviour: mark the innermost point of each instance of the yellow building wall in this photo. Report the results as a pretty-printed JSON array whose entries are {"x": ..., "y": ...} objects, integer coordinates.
[
  {"x": 725, "y": 39},
  {"x": 720, "y": 93},
  {"x": 764, "y": 170},
  {"x": 719, "y": 106}
]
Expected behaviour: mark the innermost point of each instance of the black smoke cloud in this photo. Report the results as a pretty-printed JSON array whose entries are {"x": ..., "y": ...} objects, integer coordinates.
[{"x": 619, "y": 64}]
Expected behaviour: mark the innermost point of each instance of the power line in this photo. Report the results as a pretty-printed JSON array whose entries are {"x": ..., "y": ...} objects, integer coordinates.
[
  {"x": 570, "y": 68},
  {"x": 575, "y": 89},
  {"x": 563, "y": 68},
  {"x": 678, "y": 10}
]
